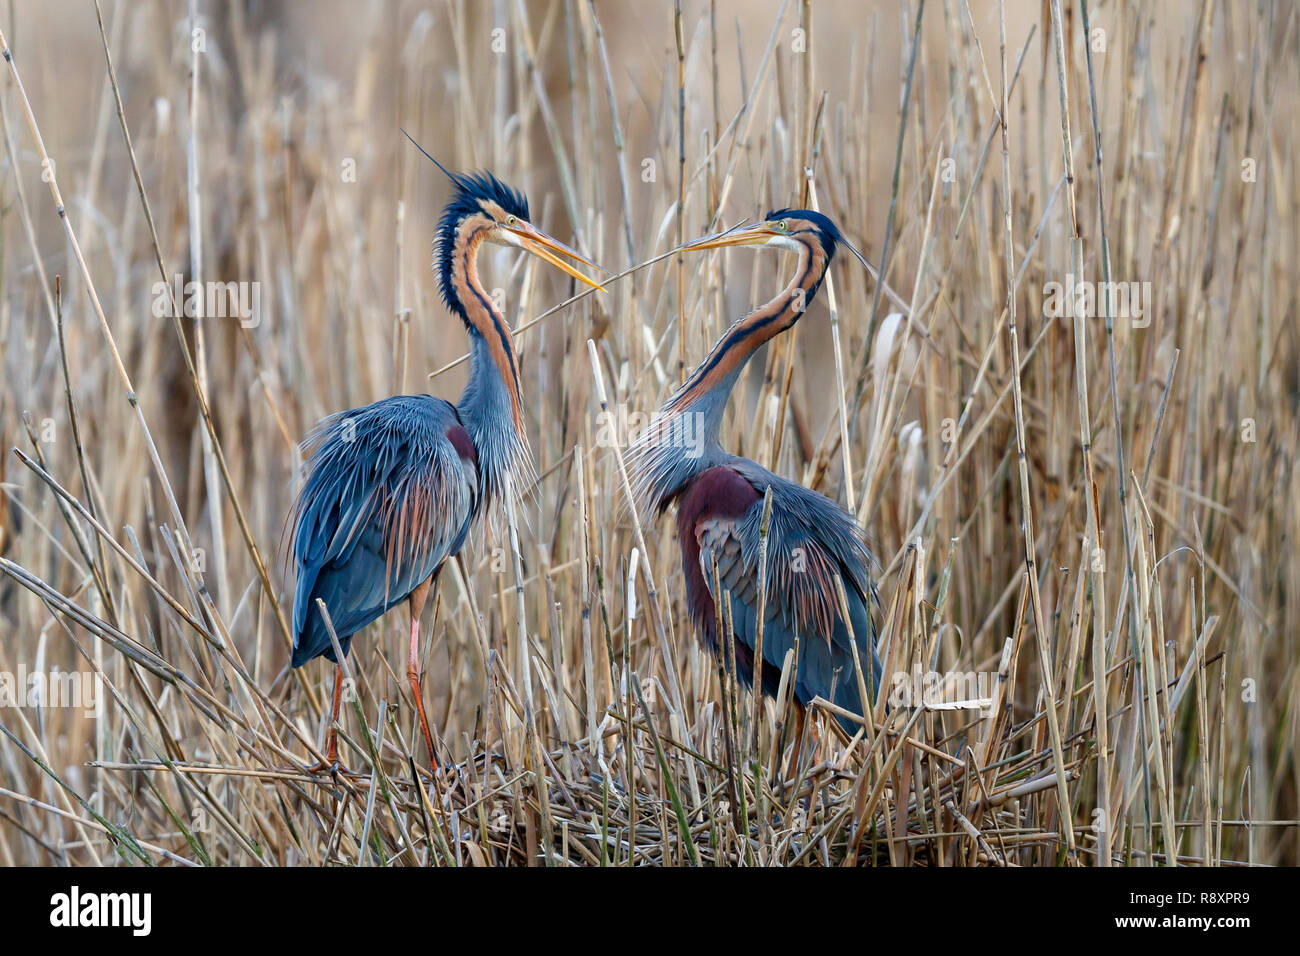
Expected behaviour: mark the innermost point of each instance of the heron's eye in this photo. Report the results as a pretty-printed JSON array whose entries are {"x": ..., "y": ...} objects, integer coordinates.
[
  {"x": 783, "y": 226},
  {"x": 510, "y": 220}
]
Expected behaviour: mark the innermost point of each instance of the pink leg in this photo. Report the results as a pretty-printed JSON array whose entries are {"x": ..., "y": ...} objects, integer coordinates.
[{"x": 413, "y": 666}]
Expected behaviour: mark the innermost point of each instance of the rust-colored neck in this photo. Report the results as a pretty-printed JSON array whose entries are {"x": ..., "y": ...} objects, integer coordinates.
[
  {"x": 721, "y": 367},
  {"x": 492, "y": 342}
]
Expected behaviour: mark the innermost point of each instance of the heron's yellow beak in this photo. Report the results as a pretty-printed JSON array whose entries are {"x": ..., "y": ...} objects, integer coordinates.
[
  {"x": 755, "y": 235},
  {"x": 545, "y": 247}
]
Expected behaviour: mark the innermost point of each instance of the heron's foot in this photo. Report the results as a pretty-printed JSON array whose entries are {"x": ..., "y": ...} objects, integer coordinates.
[{"x": 334, "y": 767}]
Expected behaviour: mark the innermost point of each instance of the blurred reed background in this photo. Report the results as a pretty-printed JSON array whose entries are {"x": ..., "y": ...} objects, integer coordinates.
[{"x": 1142, "y": 672}]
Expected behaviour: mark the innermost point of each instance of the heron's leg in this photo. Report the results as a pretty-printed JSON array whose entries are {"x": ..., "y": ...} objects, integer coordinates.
[
  {"x": 800, "y": 723},
  {"x": 331, "y": 761},
  {"x": 332, "y": 735},
  {"x": 413, "y": 665}
]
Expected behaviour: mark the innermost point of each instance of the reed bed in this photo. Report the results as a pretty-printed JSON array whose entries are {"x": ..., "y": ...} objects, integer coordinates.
[{"x": 1081, "y": 517}]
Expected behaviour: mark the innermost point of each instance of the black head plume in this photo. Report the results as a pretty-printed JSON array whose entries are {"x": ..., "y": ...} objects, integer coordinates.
[
  {"x": 827, "y": 231},
  {"x": 471, "y": 191}
]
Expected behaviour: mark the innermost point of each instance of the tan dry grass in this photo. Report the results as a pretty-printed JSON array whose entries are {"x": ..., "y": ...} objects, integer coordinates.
[{"x": 1147, "y": 683}]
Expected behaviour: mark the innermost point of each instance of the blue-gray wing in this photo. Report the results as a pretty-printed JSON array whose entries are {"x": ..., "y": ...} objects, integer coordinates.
[
  {"x": 389, "y": 493},
  {"x": 808, "y": 552}
]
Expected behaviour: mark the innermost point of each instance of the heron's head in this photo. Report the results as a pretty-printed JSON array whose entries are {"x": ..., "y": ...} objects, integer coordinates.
[
  {"x": 780, "y": 229},
  {"x": 485, "y": 207}
]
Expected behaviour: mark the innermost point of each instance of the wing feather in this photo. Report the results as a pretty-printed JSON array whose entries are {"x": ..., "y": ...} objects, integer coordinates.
[
  {"x": 801, "y": 596},
  {"x": 386, "y": 499}
]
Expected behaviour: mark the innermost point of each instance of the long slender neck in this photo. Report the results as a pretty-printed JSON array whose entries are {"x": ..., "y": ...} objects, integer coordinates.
[
  {"x": 683, "y": 439},
  {"x": 491, "y": 407},
  {"x": 706, "y": 392}
]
